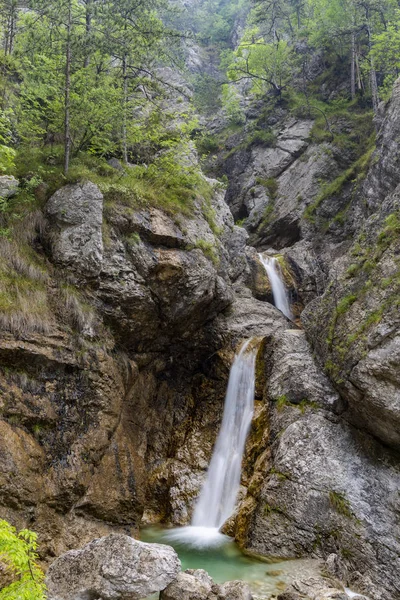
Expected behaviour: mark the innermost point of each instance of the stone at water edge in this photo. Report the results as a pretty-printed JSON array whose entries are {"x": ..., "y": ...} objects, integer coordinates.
[
  {"x": 115, "y": 567},
  {"x": 196, "y": 584}
]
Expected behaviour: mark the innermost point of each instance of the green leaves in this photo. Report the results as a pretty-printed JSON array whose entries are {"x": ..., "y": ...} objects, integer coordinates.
[
  {"x": 266, "y": 64},
  {"x": 18, "y": 551}
]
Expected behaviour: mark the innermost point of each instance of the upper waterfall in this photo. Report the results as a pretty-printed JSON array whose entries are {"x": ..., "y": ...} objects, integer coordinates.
[{"x": 279, "y": 292}]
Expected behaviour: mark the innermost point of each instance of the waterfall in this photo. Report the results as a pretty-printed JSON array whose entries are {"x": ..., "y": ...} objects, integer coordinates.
[
  {"x": 219, "y": 493},
  {"x": 279, "y": 292},
  {"x": 218, "y": 496}
]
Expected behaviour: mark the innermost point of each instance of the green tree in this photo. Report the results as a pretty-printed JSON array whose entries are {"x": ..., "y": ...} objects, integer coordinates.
[{"x": 267, "y": 65}]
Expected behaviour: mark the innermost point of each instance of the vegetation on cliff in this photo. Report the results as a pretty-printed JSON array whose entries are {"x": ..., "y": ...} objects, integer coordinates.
[{"x": 18, "y": 553}]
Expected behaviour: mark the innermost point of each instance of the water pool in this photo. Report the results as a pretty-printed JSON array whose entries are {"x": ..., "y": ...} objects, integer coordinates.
[{"x": 225, "y": 562}]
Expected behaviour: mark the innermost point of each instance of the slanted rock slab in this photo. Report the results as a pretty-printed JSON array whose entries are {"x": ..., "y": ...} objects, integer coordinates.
[{"x": 115, "y": 567}]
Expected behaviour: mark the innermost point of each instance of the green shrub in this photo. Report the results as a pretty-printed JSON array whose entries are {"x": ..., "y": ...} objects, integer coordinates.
[
  {"x": 261, "y": 137},
  {"x": 18, "y": 550},
  {"x": 270, "y": 184}
]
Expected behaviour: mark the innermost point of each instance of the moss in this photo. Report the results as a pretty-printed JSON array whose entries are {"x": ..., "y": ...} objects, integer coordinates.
[
  {"x": 208, "y": 250},
  {"x": 346, "y": 553},
  {"x": 353, "y": 270},
  {"x": 281, "y": 402},
  {"x": 340, "y": 503},
  {"x": 268, "y": 510},
  {"x": 261, "y": 137},
  {"x": 279, "y": 474},
  {"x": 345, "y": 303},
  {"x": 133, "y": 238},
  {"x": 267, "y": 216},
  {"x": 270, "y": 184},
  {"x": 391, "y": 231},
  {"x": 210, "y": 216}
]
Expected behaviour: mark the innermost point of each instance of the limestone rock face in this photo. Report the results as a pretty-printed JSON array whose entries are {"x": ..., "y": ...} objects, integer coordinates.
[
  {"x": 76, "y": 213},
  {"x": 315, "y": 487},
  {"x": 111, "y": 568},
  {"x": 157, "y": 277},
  {"x": 354, "y": 326}
]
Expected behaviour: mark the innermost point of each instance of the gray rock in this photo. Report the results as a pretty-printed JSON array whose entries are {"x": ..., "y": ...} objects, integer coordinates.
[
  {"x": 295, "y": 375},
  {"x": 314, "y": 589},
  {"x": 111, "y": 568},
  {"x": 75, "y": 213},
  {"x": 8, "y": 186},
  {"x": 196, "y": 584},
  {"x": 235, "y": 590},
  {"x": 116, "y": 164},
  {"x": 187, "y": 587}
]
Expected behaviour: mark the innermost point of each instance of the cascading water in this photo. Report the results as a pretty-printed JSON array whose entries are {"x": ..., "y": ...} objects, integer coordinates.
[
  {"x": 279, "y": 292},
  {"x": 218, "y": 495}
]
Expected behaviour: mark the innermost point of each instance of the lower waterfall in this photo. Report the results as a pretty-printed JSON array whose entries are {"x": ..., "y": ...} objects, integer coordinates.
[
  {"x": 219, "y": 493},
  {"x": 279, "y": 292}
]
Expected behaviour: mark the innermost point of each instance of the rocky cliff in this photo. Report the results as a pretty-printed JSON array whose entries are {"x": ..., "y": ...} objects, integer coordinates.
[{"x": 115, "y": 353}]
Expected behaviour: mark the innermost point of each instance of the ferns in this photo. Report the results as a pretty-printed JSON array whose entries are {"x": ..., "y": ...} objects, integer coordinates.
[{"x": 18, "y": 552}]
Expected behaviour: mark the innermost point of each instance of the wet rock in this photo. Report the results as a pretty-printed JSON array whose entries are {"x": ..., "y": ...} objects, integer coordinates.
[
  {"x": 76, "y": 216},
  {"x": 8, "y": 186},
  {"x": 113, "y": 567}
]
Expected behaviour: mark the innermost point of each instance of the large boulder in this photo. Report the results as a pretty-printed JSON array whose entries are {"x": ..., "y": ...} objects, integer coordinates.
[
  {"x": 76, "y": 216},
  {"x": 115, "y": 567}
]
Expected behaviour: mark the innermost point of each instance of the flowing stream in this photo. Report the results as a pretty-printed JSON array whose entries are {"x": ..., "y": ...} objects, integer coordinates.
[{"x": 281, "y": 299}]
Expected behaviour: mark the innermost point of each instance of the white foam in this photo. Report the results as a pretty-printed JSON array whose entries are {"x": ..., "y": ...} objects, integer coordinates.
[{"x": 197, "y": 537}]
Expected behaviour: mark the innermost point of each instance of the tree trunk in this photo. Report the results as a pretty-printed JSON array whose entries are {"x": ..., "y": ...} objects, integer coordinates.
[
  {"x": 124, "y": 110},
  {"x": 353, "y": 65},
  {"x": 88, "y": 30},
  {"x": 374, "y": 83},
  {"x": 67, "y": 133}
]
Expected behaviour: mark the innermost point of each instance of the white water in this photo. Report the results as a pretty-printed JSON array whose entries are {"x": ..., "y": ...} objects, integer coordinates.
[
  {"x": 279, "y": 293},
  {"x": 218, "y": 495}
]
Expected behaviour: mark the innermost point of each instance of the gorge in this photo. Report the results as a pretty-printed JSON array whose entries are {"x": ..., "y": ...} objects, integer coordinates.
[{"x": 219, "y": 233}]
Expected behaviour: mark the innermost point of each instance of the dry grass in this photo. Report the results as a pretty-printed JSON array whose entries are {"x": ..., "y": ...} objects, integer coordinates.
[
  {"x": 74, "y": 311},
  {"x": 24, "y": 306}
]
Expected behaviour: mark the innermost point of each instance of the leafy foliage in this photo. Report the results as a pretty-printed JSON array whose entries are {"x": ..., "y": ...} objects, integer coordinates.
[{"x": 19, "y": 551}]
